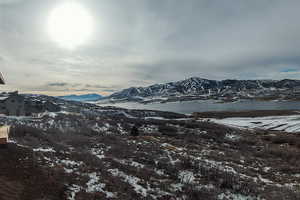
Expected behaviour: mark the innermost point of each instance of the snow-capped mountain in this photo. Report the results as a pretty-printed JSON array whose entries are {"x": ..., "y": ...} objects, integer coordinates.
[
  {"x": 84, "y": 97},
  {"x": 204, "y": 88}
]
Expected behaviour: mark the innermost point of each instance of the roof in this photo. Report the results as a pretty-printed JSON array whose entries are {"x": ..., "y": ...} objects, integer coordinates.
[{"x": 1, "y": 79}]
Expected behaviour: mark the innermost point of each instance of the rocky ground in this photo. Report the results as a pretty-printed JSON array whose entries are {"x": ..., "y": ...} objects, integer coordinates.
[{"x": 89, "y": 154}]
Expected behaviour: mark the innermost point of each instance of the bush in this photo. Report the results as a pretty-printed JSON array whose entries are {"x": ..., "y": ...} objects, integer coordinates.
[
  {"x": 22, "y": 131},
  {"x": 192, "y": 193},
  {"x": 286, "y": 154},
  {"x": 134, "y": 131},
  {"x": 167, "y": 130}
]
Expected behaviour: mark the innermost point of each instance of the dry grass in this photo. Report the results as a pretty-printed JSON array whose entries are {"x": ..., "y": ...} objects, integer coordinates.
[{"x": 178, "y": 146}]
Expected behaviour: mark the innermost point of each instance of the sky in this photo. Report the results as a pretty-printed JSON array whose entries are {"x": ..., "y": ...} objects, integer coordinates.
[{"x": 142, "y": 42}]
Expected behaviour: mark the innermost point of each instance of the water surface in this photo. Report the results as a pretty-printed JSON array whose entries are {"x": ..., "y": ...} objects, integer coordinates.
[{"x": 187, "y": 107}]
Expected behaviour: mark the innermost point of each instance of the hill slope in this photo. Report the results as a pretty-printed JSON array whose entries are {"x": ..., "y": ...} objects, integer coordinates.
[
  {"x": 204, "y": 89},
  {"x": 84, "y": 151},
  {"x": 84, "y": 97}
]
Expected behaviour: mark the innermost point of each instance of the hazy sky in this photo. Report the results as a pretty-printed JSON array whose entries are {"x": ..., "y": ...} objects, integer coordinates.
[{"x": 140, "y": 42}]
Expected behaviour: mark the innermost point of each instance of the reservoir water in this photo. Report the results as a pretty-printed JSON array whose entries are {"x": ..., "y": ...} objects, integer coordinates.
[{"x": 187, "y": 107}]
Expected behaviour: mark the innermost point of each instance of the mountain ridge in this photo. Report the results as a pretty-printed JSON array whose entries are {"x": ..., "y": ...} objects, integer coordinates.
[
  {"x": 83, "y": 97},
  {"x": 205, "y": 88}
]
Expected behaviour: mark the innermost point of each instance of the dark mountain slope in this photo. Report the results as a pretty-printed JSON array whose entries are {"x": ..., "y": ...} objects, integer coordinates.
[{"x": 196, "y": 86}]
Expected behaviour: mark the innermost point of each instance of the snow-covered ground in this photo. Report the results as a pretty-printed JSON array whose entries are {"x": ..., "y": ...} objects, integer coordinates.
[{"x": 277, "y": 123}]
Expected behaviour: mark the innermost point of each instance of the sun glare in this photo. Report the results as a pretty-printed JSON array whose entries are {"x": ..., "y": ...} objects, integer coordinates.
[{"x": 70, "y": 25}]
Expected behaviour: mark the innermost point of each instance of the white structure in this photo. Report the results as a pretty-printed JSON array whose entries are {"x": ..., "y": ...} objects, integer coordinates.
[{"x": 4, "y": 132}]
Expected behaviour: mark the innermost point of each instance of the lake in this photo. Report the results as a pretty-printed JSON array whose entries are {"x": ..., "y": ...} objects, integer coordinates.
[{"x": 187, "y": 107}]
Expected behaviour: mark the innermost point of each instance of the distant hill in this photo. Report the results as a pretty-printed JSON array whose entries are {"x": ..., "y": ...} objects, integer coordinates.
[
  {"x": 84, "y": 97},
  {"x": 199, "y": 88}
]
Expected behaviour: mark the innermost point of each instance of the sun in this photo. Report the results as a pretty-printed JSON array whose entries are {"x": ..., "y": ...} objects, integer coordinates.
[{"x": 70, "y": 25}]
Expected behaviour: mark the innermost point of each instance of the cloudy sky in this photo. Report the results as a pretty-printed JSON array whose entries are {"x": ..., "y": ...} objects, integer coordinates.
[{"x": 141, "y": 42}]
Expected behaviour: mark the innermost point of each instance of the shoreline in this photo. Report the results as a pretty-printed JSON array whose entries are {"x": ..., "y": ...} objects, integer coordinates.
[{"x": 246, "y": 113}]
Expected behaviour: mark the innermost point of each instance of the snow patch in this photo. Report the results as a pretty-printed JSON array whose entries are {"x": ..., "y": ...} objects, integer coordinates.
[
  {"x": 41, "y": 149},
  {"x": 74, "y": 189},
  {"x": 232, "y": 137},
  {"x": 277, "y": 123},
  {"x": 231, "y": 196},
  {"x": 93, "y": 185},
  {"x": 186, "y": 176},
  {"x": 132, "y": 180}
]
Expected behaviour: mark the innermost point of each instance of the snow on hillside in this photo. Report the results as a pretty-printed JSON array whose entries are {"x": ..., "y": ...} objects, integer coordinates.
[
  {"x": 199, "y": 88},
  {"x": 276, "y": 123}
]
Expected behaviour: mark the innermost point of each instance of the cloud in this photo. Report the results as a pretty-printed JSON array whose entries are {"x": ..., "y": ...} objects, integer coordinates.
[
  {"x": 57, "y": 84},
  {"x": 137, "y": 43},
  {"x": 98, "y": 86},
  {"x": 110, "y": 90},
  {"x": 289, "y": 70},
  {"x": 70, "y": 88},
  {"x": 9, "y": 1}
]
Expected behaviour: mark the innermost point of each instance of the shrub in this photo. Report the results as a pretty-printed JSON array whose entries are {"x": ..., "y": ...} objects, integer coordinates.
[
  {"x": 167, "y": 130},
  {"x": 192, "y": 193},
  {"x": 134, "y": 131}
]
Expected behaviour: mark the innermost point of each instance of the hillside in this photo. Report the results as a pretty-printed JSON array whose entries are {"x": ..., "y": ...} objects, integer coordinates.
[
  {"x": 88, "y": 153},
  {"x": 198, "y": 88},
  {"x": 83, "y": 97}
]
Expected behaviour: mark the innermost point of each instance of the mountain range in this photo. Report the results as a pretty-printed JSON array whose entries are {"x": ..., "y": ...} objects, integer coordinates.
[
  {"x": 199, "y": 88},
  {"x": 84, "y": 97}
]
